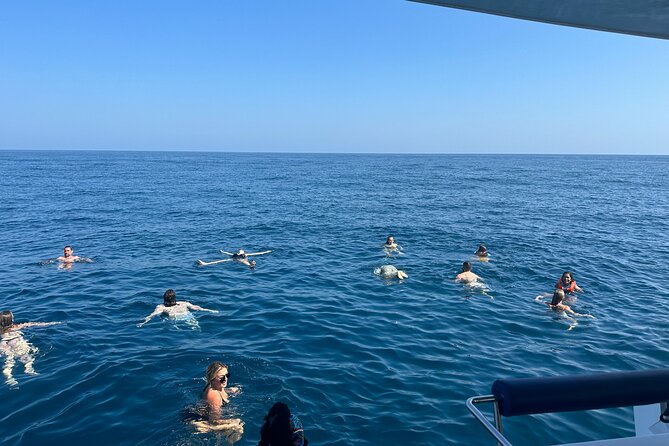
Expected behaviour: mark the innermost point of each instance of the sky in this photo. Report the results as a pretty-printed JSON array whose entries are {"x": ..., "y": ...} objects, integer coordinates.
[{"x": 372, "y": 76}]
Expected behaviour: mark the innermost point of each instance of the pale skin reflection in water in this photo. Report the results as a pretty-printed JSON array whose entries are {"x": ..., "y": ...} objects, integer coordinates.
[{"x": 13, "y": 346}]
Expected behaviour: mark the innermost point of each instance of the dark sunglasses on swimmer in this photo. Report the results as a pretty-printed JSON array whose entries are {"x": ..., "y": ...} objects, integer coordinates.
[{"x": 225, "y": 377}]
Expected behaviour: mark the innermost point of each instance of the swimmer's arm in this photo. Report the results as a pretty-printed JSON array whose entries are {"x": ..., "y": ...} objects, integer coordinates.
[
  {"x": 578, "y": 288},
  {"x": 35, "y": 324},
  {"x": 199, "y": 308},
  {"x": 84, "y": 260},
  {"x": 583, "y": 315},
  {"x": 226, "y": 252},
  {"x": 156, "y": 312},
  {"x": 236, "y": 390},
  {"x": 258, "y": 253}
]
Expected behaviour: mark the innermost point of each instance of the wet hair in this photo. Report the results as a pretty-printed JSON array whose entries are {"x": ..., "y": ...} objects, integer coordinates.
[
  {"x": 6, "y": 320},
  {"x": 567, "y": 273},
  {"x": 558, "y": 297},
  {"x": 68, "y": 246},
  {"x": 482, "y": 250},
  {"x": 388, "y": 238},
  {"x": 212, "y": 370},
  {"x": 466, "y": 267},
  {"x": 276, "y": 430},
  {"x": 170, "y": 298}
]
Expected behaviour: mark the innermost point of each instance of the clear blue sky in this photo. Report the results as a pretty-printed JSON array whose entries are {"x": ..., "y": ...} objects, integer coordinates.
[{"x": 322, "y": 76}]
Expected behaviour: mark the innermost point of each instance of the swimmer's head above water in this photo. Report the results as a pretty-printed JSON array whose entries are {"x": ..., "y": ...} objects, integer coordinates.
[
  {"x": 482, "y": 251},
  {"x": 67, "y": 251},
  {"x": 241, "y": 252},
  {"x": 567, "y": 276},
  {"x": 558, "y": 297},
  {"x": 170, "y": 298},
  {"x": 390, "y": 240},
  {"x": 6, "y": 320},
  {"x": 217, "y": 375},
  {"x": 466, "y": 267}
]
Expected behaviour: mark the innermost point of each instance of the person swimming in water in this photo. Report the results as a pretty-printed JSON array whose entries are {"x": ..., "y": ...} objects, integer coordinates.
[
  {"x": 467, "y": 276},
  {"x": 391, "y": 246},
  {"x": 69, "y": 257},
  {"x": 557, "y": 305},
  {"x": 174, "y": 309},
  {"x": 482, "y": 252},
  {"x": 13, "y": 345},
  {"x": 214, "y": 396},
  {"x": 567, "y": 283},
  {"x": 390, "y": 243},
  {"x": 240, "y": 256},
  {"x": 281, "y": 428}
]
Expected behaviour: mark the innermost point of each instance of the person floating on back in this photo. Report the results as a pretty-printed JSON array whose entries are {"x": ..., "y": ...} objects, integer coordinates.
[
  {"x": 567, "y": 283},
  {"x": 281, "y": 428},
  {"x": 174, "y": 309},
  {"x": 467, "y": 276},
  {"x": 240, "y": 256},
  {"x": 13, "y": 345}
]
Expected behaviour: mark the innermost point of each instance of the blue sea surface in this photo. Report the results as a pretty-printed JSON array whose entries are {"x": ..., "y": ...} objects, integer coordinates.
[{"x": 361, "y": 360}]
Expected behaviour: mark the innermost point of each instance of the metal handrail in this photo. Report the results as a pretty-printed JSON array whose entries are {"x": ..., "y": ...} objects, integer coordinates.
[{"x": 494, "y": 431}]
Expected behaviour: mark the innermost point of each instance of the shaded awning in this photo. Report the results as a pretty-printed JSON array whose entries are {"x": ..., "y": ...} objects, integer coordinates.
[{"x": 649, "y": 18}]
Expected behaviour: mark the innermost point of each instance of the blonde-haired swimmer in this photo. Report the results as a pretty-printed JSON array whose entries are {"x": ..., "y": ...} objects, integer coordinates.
[
  {"x": 13, "y": 345},
  {"x": 174, "y": 309},
  {"x": 390, "y": 272},
  {"x": 215, "y": 396}
]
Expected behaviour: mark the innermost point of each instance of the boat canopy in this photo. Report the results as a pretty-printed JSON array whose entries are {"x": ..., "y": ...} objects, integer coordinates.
[{"x": 648, "y": 18}]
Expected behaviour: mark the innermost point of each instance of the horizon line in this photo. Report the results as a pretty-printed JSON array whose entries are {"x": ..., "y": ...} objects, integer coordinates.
[{"x": 281, "y": 152}]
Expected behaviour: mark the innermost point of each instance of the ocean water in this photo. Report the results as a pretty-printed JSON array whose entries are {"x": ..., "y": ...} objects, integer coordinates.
[{"x": 359, "y": 359}]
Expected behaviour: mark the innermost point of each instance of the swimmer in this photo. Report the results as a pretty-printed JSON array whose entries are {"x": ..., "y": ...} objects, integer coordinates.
[
  {"x": 567, "y": 283},
  {"x": 390, "y": 272},
  {"x": 282, "y": 428},
  {"x": 390, "y": 243},
  {"x": 67, "y": 259},
  {"x": 13, "y": 345},
  {"x": 214, "y": 396},
  {"x": 482, "y": 253},
  {"x": 174, "y": 309},
  {"x": 467, "y": 276},
  {"x": 557, "y": 305},
  {"x": 391, "y": 246},
  {"x": 240, "y": 256}
]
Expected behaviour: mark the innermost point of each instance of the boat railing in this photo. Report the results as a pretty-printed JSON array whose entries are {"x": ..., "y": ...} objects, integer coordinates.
[{"x": 526, "y": 396}]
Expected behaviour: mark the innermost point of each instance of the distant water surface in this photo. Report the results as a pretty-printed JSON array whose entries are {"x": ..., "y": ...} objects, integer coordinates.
[{"x": 361, "y": 360}]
